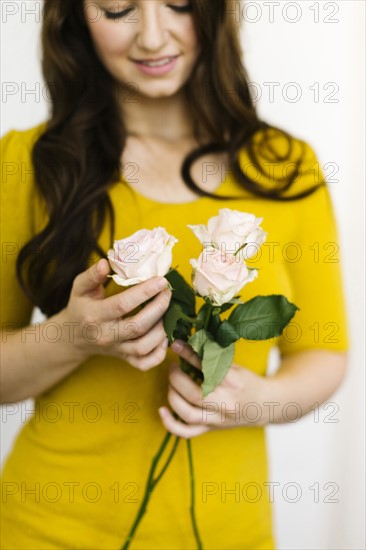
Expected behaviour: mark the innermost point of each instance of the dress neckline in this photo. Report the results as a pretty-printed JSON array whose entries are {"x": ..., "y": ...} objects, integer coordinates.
[{"x": 142, "y": 197}]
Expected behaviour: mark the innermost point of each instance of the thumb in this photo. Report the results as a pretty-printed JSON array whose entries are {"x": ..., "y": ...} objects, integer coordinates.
[{"x": 90, "y": 280}]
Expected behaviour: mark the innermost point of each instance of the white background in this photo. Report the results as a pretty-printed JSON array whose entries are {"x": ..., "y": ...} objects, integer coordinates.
[{"x": 317, "y": 46}]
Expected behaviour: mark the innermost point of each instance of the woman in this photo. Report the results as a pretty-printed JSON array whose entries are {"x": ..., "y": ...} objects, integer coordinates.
[{"x": 152, "y": 124}]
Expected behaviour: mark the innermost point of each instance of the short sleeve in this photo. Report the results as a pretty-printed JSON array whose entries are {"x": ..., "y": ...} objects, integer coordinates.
[
  {"x": 17, "y": 227},
  {"x": 315, "y": 273}
]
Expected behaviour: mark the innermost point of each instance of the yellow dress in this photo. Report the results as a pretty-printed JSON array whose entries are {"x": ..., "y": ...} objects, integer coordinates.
[{"x": 77, "y": 470}]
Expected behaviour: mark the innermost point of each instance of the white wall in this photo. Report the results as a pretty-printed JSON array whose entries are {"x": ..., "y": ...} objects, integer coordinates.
[
  {"x": 315, "y": 452},
  {"x": 319, "y": 51}
]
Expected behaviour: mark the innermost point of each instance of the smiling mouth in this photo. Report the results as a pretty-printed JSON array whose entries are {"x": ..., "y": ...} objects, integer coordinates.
[{"x": 155, "y": 62}]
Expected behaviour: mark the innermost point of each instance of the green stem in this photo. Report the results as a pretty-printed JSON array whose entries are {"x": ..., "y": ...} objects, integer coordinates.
[
  {"x": 177, "y": 439},
  {"x": 196, "y": 375},
  {"x": 192, "y": 320},
  {"x": 192, "y": 508},
  {"x": 151, "y": 482},
  {"x": 207, "y": 318},
  {"x": 241, "y": 248}
]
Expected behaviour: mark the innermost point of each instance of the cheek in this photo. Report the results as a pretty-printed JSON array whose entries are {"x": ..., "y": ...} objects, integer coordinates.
[
  {"x": 109, "y": 39},
  {"x": 188, "y": 37}
]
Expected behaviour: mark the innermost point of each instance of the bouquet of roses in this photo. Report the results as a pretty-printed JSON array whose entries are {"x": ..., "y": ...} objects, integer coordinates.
[{"x": 220, "y": 272}]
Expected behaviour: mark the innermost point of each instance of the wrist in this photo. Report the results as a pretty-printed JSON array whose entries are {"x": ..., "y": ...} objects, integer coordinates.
[
  {"x": 269, "y": 400},
  {"x": 258, "y": 397},
  {"x": 279, "y": 405},
  {"x": 73, "y": 343}
]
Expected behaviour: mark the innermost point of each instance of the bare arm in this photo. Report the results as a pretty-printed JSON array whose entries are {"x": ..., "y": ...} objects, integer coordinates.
[
  {"x": 304, "y": 378},
  {"x": 244, "y": 398},
  {"x": 35, "y": 358}
]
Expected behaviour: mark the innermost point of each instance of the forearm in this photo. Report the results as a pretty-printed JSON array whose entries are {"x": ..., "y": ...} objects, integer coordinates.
[
  {"x": 37, "y": 357},
  {"x": 303, "y": 380}
]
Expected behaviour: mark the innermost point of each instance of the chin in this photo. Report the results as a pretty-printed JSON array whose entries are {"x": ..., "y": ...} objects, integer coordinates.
[
  {"x": 159, "y": 92},
  {"x": 156, "y": 89}
]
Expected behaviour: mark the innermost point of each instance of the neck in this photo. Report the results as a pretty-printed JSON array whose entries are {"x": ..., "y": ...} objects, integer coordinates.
[{"x": 165, "y": 118}]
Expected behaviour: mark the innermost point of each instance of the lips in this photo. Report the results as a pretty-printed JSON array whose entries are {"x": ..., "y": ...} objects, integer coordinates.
[{"x": 166, "y": 57}]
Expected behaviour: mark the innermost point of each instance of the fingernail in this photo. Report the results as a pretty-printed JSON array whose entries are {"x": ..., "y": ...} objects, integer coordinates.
[
  {"x": 161, "y": 411},
  {"x": 177, "y": 345},
  {"x": 165, "y": 343},
  {"x": 161, "y": 283}
]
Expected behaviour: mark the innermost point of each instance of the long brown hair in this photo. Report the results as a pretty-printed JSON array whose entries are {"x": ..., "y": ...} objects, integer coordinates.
[{"x": 77, "y": 157}]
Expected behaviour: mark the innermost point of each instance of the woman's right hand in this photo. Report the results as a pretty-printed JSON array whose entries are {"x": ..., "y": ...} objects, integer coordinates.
[{"x": 99, "y": 328}]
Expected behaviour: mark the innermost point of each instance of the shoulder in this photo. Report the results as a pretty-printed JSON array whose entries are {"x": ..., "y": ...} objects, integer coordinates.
[
  {"x": 273, "y": 157},
  {"x": 19, "y": 143},
  {"x": 18, "y": 191}
]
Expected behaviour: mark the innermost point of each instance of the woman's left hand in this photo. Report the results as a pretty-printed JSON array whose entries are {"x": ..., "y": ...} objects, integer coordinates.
[{"x": 237, "y": 401}]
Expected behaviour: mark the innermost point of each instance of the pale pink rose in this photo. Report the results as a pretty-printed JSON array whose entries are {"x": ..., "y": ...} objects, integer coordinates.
[
  {"x": 145, "y": 254},
  {"x": 220, "y": 276},
  {"x": 230, "y": 230}
]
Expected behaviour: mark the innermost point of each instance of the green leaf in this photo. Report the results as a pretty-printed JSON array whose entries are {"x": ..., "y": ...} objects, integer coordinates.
[
  {"x": 201, "y": 315},
  {"x": 197, "y": 341},
  {"x": 177, "y": 320},
  {"x": 230, "y": 304},
  {"x": 215, "y": 364},
  {"x": 214, "y": 325},
  {"x": 182, "y": 293},
  {"x": 226, "y": 334},
  {"x": 262, "y": 317},
  {"x": 170, "y": 321}
]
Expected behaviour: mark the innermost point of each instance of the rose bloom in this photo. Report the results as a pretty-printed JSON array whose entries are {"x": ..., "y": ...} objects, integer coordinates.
[
  {"x": 145, "y": 254},
  {"x": 230, "y": 230},
  {"x": 220, "y": 276}
]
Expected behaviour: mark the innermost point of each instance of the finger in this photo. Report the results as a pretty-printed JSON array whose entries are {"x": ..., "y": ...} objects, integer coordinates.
[
  {"x": 153, "y": 359},
  {"x": 176, "y": 427},
  {"x": 89, "y": 280},
  {"x": 185, "y": 410},
  {"x": 152, "y": 313},
  {"x": 185, "y": 351},
  {"x": 147, "y": 343},
  {"x": 118, "y": 305},
  {"x": 184, "y": 385}
]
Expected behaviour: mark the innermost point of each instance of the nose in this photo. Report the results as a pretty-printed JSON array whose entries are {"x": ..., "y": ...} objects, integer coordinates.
[{"x": 152, "y": 32}]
